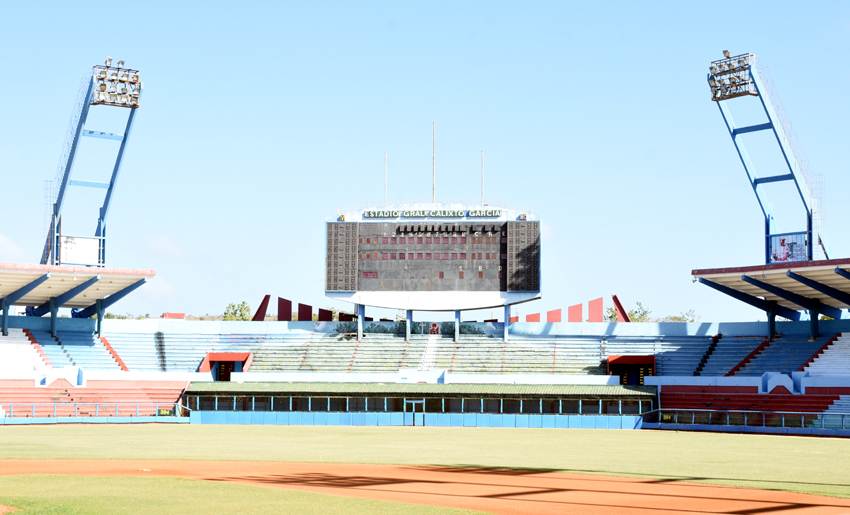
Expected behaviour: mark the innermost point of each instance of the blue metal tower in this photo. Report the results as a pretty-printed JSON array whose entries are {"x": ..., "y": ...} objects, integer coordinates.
[
  {"x": 741, "y": 76},
  {"x": 108, "y": 86}
]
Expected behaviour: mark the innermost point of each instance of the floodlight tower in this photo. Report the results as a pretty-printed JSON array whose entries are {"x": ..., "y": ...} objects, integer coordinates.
[
  {"x": 114, "y": 86},
  {"x": 742, "y": 76}
]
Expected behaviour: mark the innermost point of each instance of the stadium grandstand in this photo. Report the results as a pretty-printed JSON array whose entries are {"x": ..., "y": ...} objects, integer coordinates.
[{"x": 781, "y": 376}]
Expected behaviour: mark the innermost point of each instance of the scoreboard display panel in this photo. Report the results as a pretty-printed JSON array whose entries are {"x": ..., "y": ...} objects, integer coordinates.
[{"x": 401, "y": 256}]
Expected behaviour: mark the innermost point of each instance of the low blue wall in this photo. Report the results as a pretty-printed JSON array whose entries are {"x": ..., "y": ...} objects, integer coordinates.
[
  {"x": 23, "y": 421},
  {"x": 295, "y": 418},
  {"x": 43, "y": 323}
]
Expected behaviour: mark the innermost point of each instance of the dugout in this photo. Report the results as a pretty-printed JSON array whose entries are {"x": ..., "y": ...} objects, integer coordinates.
[{"x": 421, "y": 398}]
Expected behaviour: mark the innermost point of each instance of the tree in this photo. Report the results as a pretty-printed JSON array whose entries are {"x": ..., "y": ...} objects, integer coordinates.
[
  {"x": 689, "y": 316},
  {"x": 641, "y": 314},
  {"x": 237, "y": 312}
]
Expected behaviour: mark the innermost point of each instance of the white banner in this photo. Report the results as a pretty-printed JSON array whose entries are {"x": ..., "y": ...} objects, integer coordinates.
[{"x": 79, "y": 251}]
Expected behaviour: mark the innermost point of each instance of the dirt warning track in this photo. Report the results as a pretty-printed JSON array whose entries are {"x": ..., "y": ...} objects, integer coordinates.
[{"x": 495, "y": 491}]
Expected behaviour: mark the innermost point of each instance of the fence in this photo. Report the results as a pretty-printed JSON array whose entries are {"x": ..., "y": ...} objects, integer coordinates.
[
  {"x": 91, "y": 409},
  {"x": 707, "y": 419},
  {"x": 493, "y": 405}
]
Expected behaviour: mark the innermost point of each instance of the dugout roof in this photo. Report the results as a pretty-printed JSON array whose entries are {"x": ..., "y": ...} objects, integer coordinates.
[
  {"x": 423, "y": 389},
  {"x": 793, "y": 286},
  {"x": 59, "y": 280}
]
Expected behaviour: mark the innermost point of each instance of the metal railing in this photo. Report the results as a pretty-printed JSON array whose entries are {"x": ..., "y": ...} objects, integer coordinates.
[
  {"x": 781, "y": 419},
  {"x": 93, "y": 409}
]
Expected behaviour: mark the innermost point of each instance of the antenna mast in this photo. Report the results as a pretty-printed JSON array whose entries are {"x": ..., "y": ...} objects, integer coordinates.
[
  {"x": 434, "y": 167},
  {"x": 385, "y": 177}
]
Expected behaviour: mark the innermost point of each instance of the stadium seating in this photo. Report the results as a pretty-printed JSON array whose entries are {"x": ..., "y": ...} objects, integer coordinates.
[
  {"x": 80, "y": 349},
  {"x": 835, "y": 360},
  {"x": 17, "y": 353},
  {"x": 387, "y": 352},
  {"x": 334, "y": 353},
  {"x": 57, "y": 355},
  {"x": 838, "y": 415},
  {"x": 674, "y": 355},
  {"x": 106, "y": 396},
  {"x": 521, "y": 354},
  {"x": 715, "y": 398},
  {"x": 784, "y": 355},
  {"x": 728, "y": 353},
  {"x": 148, "y": 352}
]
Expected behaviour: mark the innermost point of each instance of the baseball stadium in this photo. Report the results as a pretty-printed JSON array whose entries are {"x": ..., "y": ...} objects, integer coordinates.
[{"x": 573, "y": 410}]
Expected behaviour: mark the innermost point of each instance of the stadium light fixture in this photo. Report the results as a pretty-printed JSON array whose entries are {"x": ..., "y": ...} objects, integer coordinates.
[
  {"x": 731, "y": 77},
  {"x": 116, "y": 86}
]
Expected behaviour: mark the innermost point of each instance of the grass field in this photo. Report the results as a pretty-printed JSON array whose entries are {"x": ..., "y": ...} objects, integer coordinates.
[
  {"x": 160, "y": 495},
  {"x": 797, "y": 464}
]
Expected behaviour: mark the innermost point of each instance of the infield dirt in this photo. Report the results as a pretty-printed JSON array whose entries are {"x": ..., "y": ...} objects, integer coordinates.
[{"x": 492, "y": 490}]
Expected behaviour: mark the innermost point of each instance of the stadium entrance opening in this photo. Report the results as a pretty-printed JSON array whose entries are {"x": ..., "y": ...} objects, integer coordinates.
[
  {"x": 631, "y": 369},
  {"x": 414, "y": 412},
  {"x": 223, "y": 370},
  {"x": 222, "y": 364}
]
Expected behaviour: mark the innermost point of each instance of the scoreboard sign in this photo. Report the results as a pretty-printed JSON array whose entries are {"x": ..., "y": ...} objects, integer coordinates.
[{"x": 397, "y": 256}]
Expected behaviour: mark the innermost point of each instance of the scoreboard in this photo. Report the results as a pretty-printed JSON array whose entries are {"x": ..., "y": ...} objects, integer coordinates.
[{"x": 416, "y": 256}]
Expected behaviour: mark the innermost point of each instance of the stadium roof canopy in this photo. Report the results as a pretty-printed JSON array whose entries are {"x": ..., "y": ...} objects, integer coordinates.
[
  {"x": 68, "y": 286},
  {"x": 424, "y": 389},
  {"x": 820, "y": 287}
]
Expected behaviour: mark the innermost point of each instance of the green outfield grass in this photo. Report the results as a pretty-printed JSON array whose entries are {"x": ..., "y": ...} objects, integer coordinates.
[
  {"x": 164, "y": 496},
  {"x": 799, "y": 464}
]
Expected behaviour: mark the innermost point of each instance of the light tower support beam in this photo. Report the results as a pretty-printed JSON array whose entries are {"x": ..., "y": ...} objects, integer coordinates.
[
  {"x": 739, "y": 77},
  {"x": 107, "y": 201}
]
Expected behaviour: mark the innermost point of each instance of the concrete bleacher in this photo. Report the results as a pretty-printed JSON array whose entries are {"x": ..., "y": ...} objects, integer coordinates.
[
  {"x": 521, "y": 354},
  {"x": 378, "y": 352},
  {"x": 38, "y": 401},
  {"x": 80, "y": 349},
  {"x": 18, "y": 354},
  {"x": 388, "y": 352},
  {"x": 834, "y": 361},
  {"x": 674, "y": 355},
  {"x": 784, "y": 355},
  {"x": 838, "y": 415},
  {"x": 730, "y": 399},
  {"x": 728, "y": 353},
  {"x": 169, "y": 352}
]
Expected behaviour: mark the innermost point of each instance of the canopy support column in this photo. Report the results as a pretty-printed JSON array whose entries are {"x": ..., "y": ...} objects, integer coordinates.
[
  {"x": 507, "y": 321},
  {"x": 771, "y": 319},
  {"x": 7, "y": 301},
  {"x": 361, "y": 314},
  {"x": 457, "y": 325},
  {"x": 814, "y": 314},
  {"x": 5, "y": 307},
  {"x": 54, "y": 313},
  {"x": 99, "y": 307},
  {"x": 409, "y": 323}
]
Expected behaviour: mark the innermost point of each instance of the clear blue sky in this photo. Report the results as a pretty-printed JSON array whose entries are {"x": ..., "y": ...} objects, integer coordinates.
[{"x": 259, "y": 119}]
